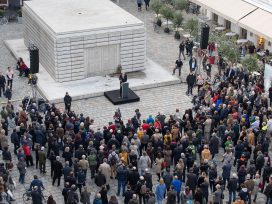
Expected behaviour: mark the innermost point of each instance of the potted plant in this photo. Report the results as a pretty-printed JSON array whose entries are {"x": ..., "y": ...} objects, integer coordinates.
[
  {"x": 156, "y": 6},
  {"x": 119, "y": 69},
  {"x": 1, "y": 12},
  {"x": 19, "y": 16},
  {"x": 251, "y": 63},
  {"x": 191, "y": 26},
  {"x": 177, "y": 22},
  {"x": 181, "y": 4},
  {"x": 167, "y": 13}
]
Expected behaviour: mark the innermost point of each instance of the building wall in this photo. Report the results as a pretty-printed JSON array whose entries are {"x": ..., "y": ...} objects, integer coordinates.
[
  {"x": 70, "y": 53},
  {"x": 221, "y": 21},
  {"x": 267, "y": 46},
  {"x": 37, "y": 35},
  {"x": 235, "y": 28},
  {"x": 64, "y": 57},
  {"x": 252, "y": 38}
]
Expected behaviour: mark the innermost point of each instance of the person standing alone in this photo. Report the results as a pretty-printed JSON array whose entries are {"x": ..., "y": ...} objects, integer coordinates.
[
  {"x": 179, "y": 64},
  {"x": 2, "y": 84},
  {"x": 67, "y": 101},
  {"x": 190, "y": 82},
  {"x": 9, "y": 75}
]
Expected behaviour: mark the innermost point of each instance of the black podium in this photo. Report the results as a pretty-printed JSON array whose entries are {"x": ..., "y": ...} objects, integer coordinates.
[{"x": 127, "y": 95}]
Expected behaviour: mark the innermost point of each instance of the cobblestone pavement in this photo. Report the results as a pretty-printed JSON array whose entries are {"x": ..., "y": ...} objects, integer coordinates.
[{"x": 161, "y": 47}]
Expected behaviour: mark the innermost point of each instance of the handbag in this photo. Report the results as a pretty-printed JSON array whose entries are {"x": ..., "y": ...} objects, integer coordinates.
[{"x": 164, "y": 165}]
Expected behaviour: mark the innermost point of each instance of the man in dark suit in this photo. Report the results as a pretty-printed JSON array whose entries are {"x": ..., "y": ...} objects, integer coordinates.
[
  {"x": 122, "y": 79},
  {"x": 67, "y": 101}
]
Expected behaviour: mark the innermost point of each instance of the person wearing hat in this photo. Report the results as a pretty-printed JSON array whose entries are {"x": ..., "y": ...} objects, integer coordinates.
[
  {"x": 67, "y": 102},
  {"x": 42, "y": 160},
  {"x": 160, "y": 191}
]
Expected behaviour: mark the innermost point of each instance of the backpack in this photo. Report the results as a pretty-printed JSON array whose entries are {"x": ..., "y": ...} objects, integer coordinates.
[
  {"x": 113, "y": 160},
  {"x": 92, "y": 160},
  {"x": 71, "y": 198},
  {"x": 143, "y": 189}
]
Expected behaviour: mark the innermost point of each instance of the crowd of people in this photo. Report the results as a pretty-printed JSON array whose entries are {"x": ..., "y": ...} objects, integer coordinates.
[{"x": 232, "y": 112}]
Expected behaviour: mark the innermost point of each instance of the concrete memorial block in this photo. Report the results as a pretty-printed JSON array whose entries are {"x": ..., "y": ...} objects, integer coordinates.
[{"x": 84, "y": 38}]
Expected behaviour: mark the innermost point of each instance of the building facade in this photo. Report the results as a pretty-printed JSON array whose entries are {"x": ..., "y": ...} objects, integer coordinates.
[{"x": 250, "y": 19}]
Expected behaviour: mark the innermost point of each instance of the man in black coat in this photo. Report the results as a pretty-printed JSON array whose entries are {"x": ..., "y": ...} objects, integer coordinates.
[
  {"x": 65, "y": 192},
  {"x": 67, "y": 101},
  {"x": 57, "y": 169},
  {"x": 232, "y": 187},
  {"x": 122, "y": 79},
  {"x": 191, "y": 181},
  {"x": 100, "y": 179},
  {"x": 133, "y": 178},
  {"x": 190, "y": 82},
  {"x": 2, "y": 84},
  {"x": 148, "y": 179},
  {"x": 214, "y": 144},
  {"x": 36, "y": 196},
  {"x": 178, "y": 66}
]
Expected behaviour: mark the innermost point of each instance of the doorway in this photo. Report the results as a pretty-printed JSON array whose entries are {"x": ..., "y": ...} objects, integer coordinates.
[{"x": 102, "y": 59}]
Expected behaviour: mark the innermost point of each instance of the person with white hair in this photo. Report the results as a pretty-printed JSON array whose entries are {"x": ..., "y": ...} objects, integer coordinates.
[
  {"x": 84, "y": 164},
  {"x": 232, "y": 187},
  {"x": 42, "y": 160},
  {"x": 217, "y": 195},
  {"x": 97, "y": 199}
]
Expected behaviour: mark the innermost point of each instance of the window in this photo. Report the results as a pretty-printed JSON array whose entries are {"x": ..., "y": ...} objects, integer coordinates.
[
  {"x": 215, "y": 18},
  {"x": 269, "y": 43},
  {"x": 243, "y": 33},
  {"x": 228, "y": 24},
  {"x": 251, "y": 34},
  {"x": 4, "y": 2}
]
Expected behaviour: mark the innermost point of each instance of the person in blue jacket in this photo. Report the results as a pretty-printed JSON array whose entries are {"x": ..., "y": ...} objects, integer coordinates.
[
  {"x": 176, "y": 183},
  {"x": 160, "y": 191}
]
